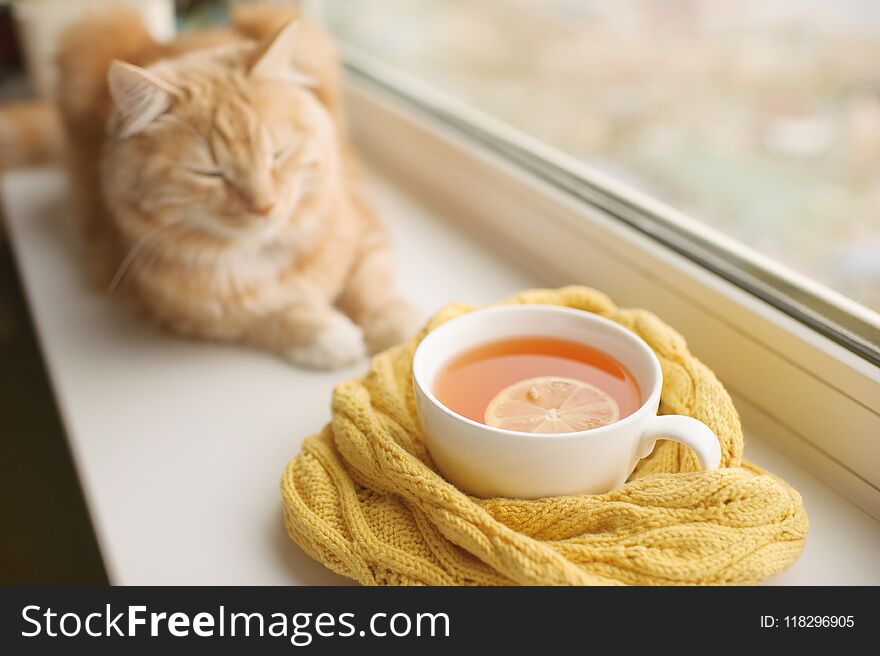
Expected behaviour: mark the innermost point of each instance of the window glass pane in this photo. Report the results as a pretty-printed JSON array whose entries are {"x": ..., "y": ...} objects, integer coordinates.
[{"x": 760, "y": 118}]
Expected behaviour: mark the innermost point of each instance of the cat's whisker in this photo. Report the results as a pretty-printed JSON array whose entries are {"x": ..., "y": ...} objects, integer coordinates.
[
  {"x": 153, "y": 253},
  {"x": 148, "y": 240},
  {"x": 127, "y": 261}
]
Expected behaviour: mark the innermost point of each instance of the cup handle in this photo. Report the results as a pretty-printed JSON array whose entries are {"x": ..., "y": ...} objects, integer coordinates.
[{"x": 687, "y": 430}]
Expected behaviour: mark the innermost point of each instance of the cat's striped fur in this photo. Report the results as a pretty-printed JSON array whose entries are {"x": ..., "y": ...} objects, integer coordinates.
[{"x": 222, "y": 198}]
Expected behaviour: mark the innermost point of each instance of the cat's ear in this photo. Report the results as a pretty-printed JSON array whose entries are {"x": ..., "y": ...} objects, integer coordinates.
[
  {"x": 276, "y": 58},
  {"x": 139, "y": 95}
]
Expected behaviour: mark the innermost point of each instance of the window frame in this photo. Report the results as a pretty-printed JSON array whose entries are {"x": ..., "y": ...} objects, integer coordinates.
[{"x": 811, "y": 396}]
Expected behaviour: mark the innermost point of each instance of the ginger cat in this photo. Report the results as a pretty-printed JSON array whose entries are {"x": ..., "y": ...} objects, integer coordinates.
[{"x": 215, "y": 188}]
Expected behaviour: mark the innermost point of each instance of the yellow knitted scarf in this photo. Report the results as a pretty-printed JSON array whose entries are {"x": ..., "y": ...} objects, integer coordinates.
[{"x": 364, "y": 498}]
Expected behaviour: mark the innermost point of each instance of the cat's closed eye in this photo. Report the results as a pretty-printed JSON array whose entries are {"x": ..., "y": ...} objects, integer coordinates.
[
  {"x": 206, "y": 172},
  {"x": 281, "y": 154}
]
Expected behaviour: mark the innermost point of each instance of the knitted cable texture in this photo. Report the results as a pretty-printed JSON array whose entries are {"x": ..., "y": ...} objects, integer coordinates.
[{"x": 364, "y": 498}]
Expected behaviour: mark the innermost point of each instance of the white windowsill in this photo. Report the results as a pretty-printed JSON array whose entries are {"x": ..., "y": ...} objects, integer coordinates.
[{"x": 180, "y": 445}]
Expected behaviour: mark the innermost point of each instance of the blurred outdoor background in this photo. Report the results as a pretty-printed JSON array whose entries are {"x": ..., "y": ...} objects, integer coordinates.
[{"x": 760, "y": 118}]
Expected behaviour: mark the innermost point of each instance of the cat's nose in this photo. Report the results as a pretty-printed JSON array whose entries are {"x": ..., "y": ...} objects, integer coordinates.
[{"x": 263, "y": 210}]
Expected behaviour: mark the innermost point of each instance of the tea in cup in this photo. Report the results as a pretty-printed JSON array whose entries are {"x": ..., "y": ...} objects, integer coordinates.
[{"x": 531, "y": 401}]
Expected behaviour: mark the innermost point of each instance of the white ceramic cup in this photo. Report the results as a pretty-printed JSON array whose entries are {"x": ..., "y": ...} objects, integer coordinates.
[{"x": 487, "y": 462}]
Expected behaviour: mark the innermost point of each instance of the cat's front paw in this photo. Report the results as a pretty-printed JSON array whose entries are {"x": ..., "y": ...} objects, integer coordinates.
[
  {"x": 391, "y": 324},
  {"x": 340, "y": 344}
]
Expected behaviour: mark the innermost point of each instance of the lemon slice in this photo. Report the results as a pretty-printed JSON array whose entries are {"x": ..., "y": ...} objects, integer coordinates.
[{"x": 551, "y": 404}]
